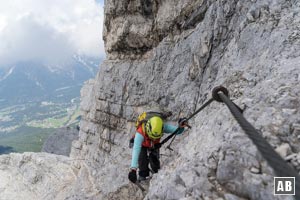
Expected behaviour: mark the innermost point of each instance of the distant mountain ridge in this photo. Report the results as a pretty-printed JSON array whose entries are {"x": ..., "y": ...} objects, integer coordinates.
[
  {"x": 36, "y": 98},
  {"x": 32, "y": 81}
]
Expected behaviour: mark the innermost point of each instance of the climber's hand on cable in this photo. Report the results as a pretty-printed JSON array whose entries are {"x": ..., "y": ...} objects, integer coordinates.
[
  {"x": 182, "y": 122},
  {"x": 132, "y": 175}
]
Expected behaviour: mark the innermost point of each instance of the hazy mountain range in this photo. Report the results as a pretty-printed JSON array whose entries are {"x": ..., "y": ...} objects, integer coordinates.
[
  {"x": 32, "y": 82},
  {"x": 36, "y": 98}
]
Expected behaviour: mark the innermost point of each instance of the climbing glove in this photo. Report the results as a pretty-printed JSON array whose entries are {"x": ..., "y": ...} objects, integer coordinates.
[
  {"x": 182, "y": 122},
  {"x": 132, "y": 175}
]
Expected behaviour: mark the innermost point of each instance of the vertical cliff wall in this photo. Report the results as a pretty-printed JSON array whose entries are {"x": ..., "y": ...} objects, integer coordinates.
[{"x": 170, "y": 54}]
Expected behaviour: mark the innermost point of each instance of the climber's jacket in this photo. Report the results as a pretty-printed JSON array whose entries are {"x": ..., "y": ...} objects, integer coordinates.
[
  {"x": 141, "y": 139},
  {"x": 147, "y": 141}
]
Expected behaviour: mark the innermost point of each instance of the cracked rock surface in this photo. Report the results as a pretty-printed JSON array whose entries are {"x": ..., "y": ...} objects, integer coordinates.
[
  {"x": 35, "y": 176},
  {"x": 182, "y": 51}
]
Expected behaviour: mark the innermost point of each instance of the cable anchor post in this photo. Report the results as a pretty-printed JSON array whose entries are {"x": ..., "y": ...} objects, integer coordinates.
[{"x": 218, "y": 89}]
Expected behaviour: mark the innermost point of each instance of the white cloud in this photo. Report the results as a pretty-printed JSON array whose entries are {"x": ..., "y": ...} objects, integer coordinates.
[{"x": 49, "y": 30}]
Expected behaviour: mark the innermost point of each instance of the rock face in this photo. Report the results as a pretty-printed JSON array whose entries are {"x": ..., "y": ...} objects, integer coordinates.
[
  {"x": 170, "y": 54},
  {"x": 60, "y": 142},
  {"x": 35, "y": 176},
  {"x": 134, "y": 27}
]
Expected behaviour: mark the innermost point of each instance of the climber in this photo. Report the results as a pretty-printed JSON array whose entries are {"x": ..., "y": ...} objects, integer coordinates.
[{"x": 147, "y": 136}]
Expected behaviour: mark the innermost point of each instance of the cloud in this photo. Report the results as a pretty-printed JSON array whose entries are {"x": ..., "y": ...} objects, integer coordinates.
[{"x": 49, "y": 30}]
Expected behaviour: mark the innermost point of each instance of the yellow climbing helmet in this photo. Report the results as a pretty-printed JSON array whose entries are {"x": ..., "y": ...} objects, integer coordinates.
[{"x": 154, "y": 128}]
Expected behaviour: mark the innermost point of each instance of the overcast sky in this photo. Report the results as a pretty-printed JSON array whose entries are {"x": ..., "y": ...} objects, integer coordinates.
[{"x": 50, "y": 30}]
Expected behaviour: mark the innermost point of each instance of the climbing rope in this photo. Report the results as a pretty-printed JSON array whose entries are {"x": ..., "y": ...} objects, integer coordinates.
[
  {"x": 280, "y": 167},
  {"x": 278, "y": 164},
  {"x": 275, "y": 161},
  {"x": 200, "y": 109},
  {"x": 184, "y": 120}
]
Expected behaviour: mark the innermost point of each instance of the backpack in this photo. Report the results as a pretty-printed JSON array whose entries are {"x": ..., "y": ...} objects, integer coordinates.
[{"x": 144, "y": 117}]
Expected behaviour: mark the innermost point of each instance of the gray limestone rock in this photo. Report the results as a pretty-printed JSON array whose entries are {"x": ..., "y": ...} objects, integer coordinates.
[
  {"x": 283, "y": 150},
  {"x": 60, "y": 142},
  {"x": 35, "y": 176},
  {"x": 245, "y": 46}
]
